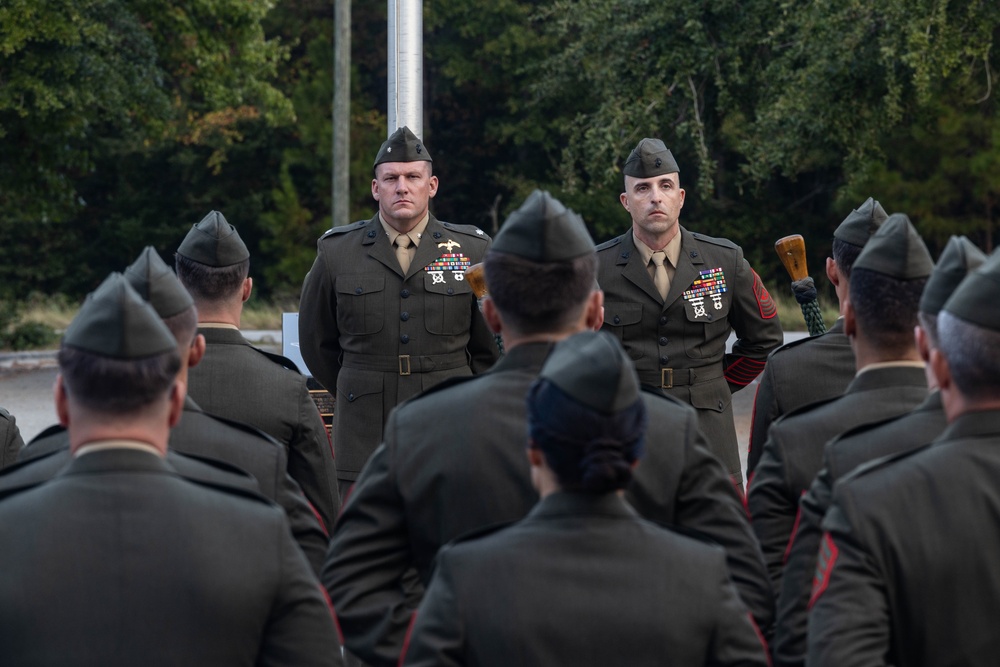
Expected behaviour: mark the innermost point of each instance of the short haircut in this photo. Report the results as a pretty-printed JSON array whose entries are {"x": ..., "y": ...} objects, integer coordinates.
[
  {"x": 971, "y": 351},
  {"x": 886, "y": 308},
  {"x": 929, "y": 323},
  {"x": 539, "y": 297},
  {"x": 588, "y": 450},
  {"x": 845, "y": 254},
  {"x": 116, "y": 386},
  {"x": 211, "y": 283},
  {"x": 184, "y": 326}
]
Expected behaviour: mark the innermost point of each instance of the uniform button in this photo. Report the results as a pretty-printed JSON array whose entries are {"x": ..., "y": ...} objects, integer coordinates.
[
  {"x": 720, "y": 405},
  {"x": 617, "y": 320},
  {"x": 663, "y": 340},
  {"x": 358, "y": 290},
  {"x": 663, "y": 319},
  {"x": 404, "y": 316},
  {"x": 371, "y": 234},
  {"x": 664, "y": 359},
  {"x": 405, "y": 293},
  {"x": 405, "y": 338},
  {"x": 451, "y": 290},
  {"x": 350, "y": 397},
  {"x": 625, "y": 255}
]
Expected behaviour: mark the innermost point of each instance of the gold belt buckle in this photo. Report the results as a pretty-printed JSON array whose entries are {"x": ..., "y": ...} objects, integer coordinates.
[
  {"x": 666, "y": 378},
  {"x": 404, "y": 364}
]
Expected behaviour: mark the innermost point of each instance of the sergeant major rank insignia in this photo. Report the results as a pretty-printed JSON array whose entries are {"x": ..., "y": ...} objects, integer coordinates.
[
  {"x": 710, "y": 284},
  {"x": 455, "y": 262}
]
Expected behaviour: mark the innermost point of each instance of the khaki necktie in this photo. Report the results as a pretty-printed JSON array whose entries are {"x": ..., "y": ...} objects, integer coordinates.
[
  {"x": 402, "y": 251},
  {"x": 660, "y": 277}
]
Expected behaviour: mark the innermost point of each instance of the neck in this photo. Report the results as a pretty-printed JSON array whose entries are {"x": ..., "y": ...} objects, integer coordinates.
[
  {"x": 866, "y": 355},
  {"x": 656, "y": 241},
  {"x": 512, "y": 339},
  {"x": 215, "y": 313}
]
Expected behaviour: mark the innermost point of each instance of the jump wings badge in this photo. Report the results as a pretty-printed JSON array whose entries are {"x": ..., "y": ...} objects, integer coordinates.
[
  {"x": 457, "y": 263},
  {"x": 711, "y": 284}
]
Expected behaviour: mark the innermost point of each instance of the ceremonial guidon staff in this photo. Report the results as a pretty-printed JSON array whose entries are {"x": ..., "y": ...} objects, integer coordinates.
[{"x": 792, "y": 251}]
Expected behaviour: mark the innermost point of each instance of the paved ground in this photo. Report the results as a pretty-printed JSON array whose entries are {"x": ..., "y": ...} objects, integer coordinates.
[{"x": 26, "y": 391}]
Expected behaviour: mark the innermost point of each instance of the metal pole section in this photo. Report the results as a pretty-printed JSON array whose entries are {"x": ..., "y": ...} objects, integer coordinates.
[
  {"x": 406, "y": 66},
  {"x": 340, "y": 207}
]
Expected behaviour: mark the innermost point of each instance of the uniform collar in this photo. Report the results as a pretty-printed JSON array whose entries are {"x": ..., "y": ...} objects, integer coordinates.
[
  {"x": 104, "y": 445},
  {"x": 415, "y": 234},
  {"x": 524, "y": 356},
  {"x": 217, "y": 325},
  {"x": 891, "y": 364},
  {"x": 569, "y": 503},
  {"x": 672, "y": 249}
]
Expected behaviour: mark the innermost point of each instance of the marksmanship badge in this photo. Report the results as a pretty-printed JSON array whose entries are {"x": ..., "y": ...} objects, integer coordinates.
[
  {"x": 457, "y": 263},
  {"x": 711, "y": 284}
]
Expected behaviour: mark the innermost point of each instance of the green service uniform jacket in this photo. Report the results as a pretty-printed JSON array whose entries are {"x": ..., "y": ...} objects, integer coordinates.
[
  {"x": 804, "y": 371},
  {"x": 209, "y": 438},
  {"x": 793, "y": 453},
  {"x": 118, "y": 560},
  {"x": 10, "y": 439},
  {"x": 840, "y": 456},
  {"x": 909, "y": 570},
  {"x": 679, "y": 344},
  {"x": 582, "y": 581},
  {"x": 454, "y": 461},
  {"x": 237, "y": 381},
  {"x": 375, "y": 337}
]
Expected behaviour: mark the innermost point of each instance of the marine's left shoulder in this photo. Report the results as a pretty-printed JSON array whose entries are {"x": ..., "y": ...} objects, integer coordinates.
[
  {"x": 715, "y": 242},
  {"x": 465, "y": 230}
]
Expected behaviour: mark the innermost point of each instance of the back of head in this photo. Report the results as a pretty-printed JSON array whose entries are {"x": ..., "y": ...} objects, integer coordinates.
[
  {"x": 853, "y": 233},
  {"x": 542, "y": 266},
  {"x": 117, "y": 357},
  {"x": 153, "y": 280},
  {"x": 959, "y": 257},
  {"x": 586, "y": 414},
  {"x": 888, "y": 279},
  {"x": 969, "y": 332},
  {"x": 212, "y": 261}
]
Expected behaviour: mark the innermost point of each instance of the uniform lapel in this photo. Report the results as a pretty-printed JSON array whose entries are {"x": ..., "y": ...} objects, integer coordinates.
[
  {"x": 634, "y": 270},
  {"x": 689, "y": 263},
  {"x": 379, "y": 247}
]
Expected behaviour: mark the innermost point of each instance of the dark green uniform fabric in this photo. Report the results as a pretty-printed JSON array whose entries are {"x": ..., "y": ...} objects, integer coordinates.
[
  {"x": 909, "y": 574},
  {"x": 237, "y": 381},
  {"x": 582, "y": 581},
  {"x": 449, "y": 466},
  {"x": 689, "y": 336},
  {"x": 10, "y": 439},
  {"x": 840, "y": 456},
  {"x": 375, "y": 337},
  {"x": 804, "y": 371},
  {"x": 250, "y": 450},
  {"x": 793, "y": 452},
  {"x": 175, "y": 573}
]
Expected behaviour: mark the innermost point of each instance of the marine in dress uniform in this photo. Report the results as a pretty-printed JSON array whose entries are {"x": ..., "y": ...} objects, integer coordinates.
[
  {"x": 886, "y": 282},
  {"x": 866, "y": 443},
  {"x": 386, "y": 311},
  {"x": 425, "y": 485},
  {"x": 815, "y": 368},
  {"x": 908, "y": 573},
  {"x": 10, "y": 439},
  {"x": 164, "y": 557},
  {"x": 675, "y": 327},
  {"x": 199, "y": 434},
  {"x": 238, "y": 381},
  {"x": 583, "y": 580}
]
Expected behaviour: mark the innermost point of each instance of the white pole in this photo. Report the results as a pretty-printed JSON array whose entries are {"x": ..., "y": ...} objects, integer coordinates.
[{"x": 406, "y": 66}]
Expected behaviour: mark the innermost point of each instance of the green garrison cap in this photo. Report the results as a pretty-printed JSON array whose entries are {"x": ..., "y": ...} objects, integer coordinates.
[
  {"x": 650, "y": 158},
  {"x": 214, "y": 242},
  {"x": 896, "y": 250},
  {"x": 157, "y": 284},
  {"x": 543, "y": 230},
  {"x": 861, "y": 223},
  {"x": 116, "y": 322},
  {"x": 402, "y": 146},
  {"x": 594, "y": 369},
  {"x": 957, "y": 259},
  {"x": 974, "y": 299}
]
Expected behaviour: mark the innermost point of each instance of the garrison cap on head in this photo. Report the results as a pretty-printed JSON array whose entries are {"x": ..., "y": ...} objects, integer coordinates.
[
  {"x": 974, "y": 299},
  {"x": 402, "y": 146},
  {"x": 543, "y": 230},
  {"x": 116, "y": 322},
  {"x": 896, "y": 250},
  {"x": 650, "y": 158},
  {"x": 957, "y": 259},
  {"x": 214, "y": 242},
  {"x": 861, "y": 223},
  {"x": 592, "y": 367},
  {"x": 157, "y": 284}
]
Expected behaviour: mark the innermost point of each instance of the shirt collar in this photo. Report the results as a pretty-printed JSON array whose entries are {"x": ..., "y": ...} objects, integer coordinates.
[
  {"x": 891, "y": 364},
  {"x": 102, "y": 445},
  {"x": 672, "y": 249},
  {"x": 414, "y": 233}
]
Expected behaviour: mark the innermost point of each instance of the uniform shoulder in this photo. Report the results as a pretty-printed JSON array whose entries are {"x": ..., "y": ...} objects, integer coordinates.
[
  {"x": 32, "y": 472},
  {"x": 610, "y": 244},
  {"x": 873, "y": 473},
  {"x": 656, "y": 399},
  {"x": 715, "y": 240},
  {"x": 4, "y": 415},
  {"x": 239, "y": 430},
  {"x": 434, "y": 393},
  {"x": 467, "y": 230},
  {"x": 282, "y": 361},
  {"x": 344, "y": 229},
  {"x": 798, "y": 346}
]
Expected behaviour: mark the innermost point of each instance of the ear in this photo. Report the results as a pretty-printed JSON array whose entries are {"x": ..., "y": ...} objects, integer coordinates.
[
  {"x": 595, "y": 310},
  {"x": 177, "y": 393},
  {"x": 196, "y": 351},
  {"x": 623, "y": 198},
  {"x": 491, "y": 315},
  {"x": 62, "y": 401},
  {"x": 375, "y": 189},
  {"x": 247, "y": 289},
  {"x": 682, "y": 197},
  {"x": 535, "y": 456},
  {"x": 941, "y": 370},
  {"x": 832, "y": 274},
  {"x": 923, "y": 345},
  {"x": 432, "y": 183},
  {"x": 850, "y": 319}
]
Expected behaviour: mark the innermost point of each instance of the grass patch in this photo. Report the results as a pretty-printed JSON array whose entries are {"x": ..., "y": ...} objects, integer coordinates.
[{"x": 791, "y": 313}]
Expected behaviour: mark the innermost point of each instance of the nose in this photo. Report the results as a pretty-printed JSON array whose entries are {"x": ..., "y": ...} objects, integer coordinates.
[{"x": 402, "y": 184}]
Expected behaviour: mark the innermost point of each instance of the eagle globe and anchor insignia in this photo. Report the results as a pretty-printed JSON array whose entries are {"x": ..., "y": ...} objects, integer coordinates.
[{"x": 455, "y": 262}]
